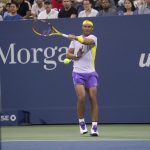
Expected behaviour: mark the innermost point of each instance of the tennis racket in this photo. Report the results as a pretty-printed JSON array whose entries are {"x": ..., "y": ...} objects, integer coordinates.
[{"x": 45, "y": 28}]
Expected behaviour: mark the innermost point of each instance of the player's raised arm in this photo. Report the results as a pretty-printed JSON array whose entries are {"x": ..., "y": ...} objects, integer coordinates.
[
  {"x": 82, "y": 40},
  {"x": 87, "y": 28}
]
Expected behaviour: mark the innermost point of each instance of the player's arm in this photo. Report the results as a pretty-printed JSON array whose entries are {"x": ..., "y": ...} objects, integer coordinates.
[
  {"x": 70, "y": 53},
  {"x": 82, "y": 40}
]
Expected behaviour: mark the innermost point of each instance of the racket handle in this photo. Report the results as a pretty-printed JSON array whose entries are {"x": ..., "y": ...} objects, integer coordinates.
[{"x": 65, "y": 35}]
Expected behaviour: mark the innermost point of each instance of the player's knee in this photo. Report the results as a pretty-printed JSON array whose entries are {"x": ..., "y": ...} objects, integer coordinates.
[{"x": 81, "y": 98}]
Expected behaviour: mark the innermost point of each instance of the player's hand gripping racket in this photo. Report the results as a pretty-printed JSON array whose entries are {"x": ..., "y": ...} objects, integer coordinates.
[
  {"x": 45, "y": 28},
  {"x": 78, "y": 56}
]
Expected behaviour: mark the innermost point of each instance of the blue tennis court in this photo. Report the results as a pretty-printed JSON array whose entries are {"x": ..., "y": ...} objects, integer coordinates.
[
  {"x": 75, "y": 145},
  {"x": 67, "y": 137}
]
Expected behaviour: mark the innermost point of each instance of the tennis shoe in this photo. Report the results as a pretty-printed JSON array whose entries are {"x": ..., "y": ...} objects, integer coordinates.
[
  {"x": 94, "y": 131},
  {"x": 83, "y": 128}
]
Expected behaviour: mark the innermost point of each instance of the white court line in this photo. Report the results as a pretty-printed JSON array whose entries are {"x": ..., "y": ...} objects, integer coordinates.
[{"x": 103, "y": 140}]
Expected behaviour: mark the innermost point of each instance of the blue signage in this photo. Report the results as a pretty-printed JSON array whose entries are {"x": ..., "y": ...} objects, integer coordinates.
[{"x": 35, "y": 80}]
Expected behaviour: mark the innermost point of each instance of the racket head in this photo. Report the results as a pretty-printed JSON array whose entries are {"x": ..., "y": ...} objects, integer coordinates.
[{"x": 44, "y": 28}]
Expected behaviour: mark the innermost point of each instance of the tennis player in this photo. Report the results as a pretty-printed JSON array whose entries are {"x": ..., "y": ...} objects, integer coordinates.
[{"x": 82, "y": 50}]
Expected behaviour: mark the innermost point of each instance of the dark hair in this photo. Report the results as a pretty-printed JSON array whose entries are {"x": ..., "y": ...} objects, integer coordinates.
[
  {"x": 90, "y": 1},
  {"x": 7, "y": 4},
  {"x": 132, "y": 6},
  {"x": 15, "y": 3}
]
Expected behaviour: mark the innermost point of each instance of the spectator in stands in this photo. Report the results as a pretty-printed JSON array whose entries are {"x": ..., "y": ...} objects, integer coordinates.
[
  {"x": 78, "y": 5},
  {"x": 37, "y": 7},
  {"x": 48, "y": 13},
  {"x": 98, "y": 6},
  {"x": 68, "y": 11},
  {"x": 120, "y": 3},
  {"x": 13, "y": 12},
  {"x": 28, "y": 13},
  {"x": 88, "y": 10},
  {"x": 7, "y": 10},
  {"x": 1, "y": 18},
  {"x": 148, "y": 4},
  {"x": 107, "y": 9},
  {"x": 29, "y": 4},
  {"x": 57, "y": 4},
  {"x": 144, "y": 7},
  {"x": 2, "y": 8},
  {"x": 23, "y": 8},
  {"x": 128, "y": 8}
]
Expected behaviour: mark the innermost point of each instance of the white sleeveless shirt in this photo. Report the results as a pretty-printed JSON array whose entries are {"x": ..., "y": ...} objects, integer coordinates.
[{"x": 86, "y": 63}]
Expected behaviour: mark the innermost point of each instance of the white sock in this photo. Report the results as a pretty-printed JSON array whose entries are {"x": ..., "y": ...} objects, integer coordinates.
[
  {"x": 81, "y": 120},
  {"x": 94, "y": 123}
]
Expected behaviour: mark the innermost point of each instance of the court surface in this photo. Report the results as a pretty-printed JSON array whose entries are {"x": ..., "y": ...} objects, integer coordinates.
[{"x": 67, "y": 137}]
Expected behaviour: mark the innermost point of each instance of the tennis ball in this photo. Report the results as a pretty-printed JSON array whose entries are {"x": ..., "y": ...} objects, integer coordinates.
[{"x": 66, "y": 61}]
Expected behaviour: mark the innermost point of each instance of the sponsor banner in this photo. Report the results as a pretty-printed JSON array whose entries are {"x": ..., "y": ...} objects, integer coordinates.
[
  {"x": 24, "y": 56},
  {"x": 144, "y": 60},
  {"x": 15, "y": 118},
  {"x": 34, "y": 78}
]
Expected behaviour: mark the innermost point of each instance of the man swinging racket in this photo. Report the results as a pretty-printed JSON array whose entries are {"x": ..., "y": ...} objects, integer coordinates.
[{"x": 82, "y": 50}]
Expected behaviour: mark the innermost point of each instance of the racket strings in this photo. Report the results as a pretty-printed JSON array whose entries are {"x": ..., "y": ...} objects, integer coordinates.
[
  {"x": 46, "y": 32},
  {"x": 44, "y": 28}
]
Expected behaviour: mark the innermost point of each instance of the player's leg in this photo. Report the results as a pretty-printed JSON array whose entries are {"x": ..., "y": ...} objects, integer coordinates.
[
  {"x": 92, "y": 92},
  {"x": 80, "y": 92},
  {"x": 93, "y": 101},
  {"x": 91, "y": 88},
  {"x": 78, "y": 80}
]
